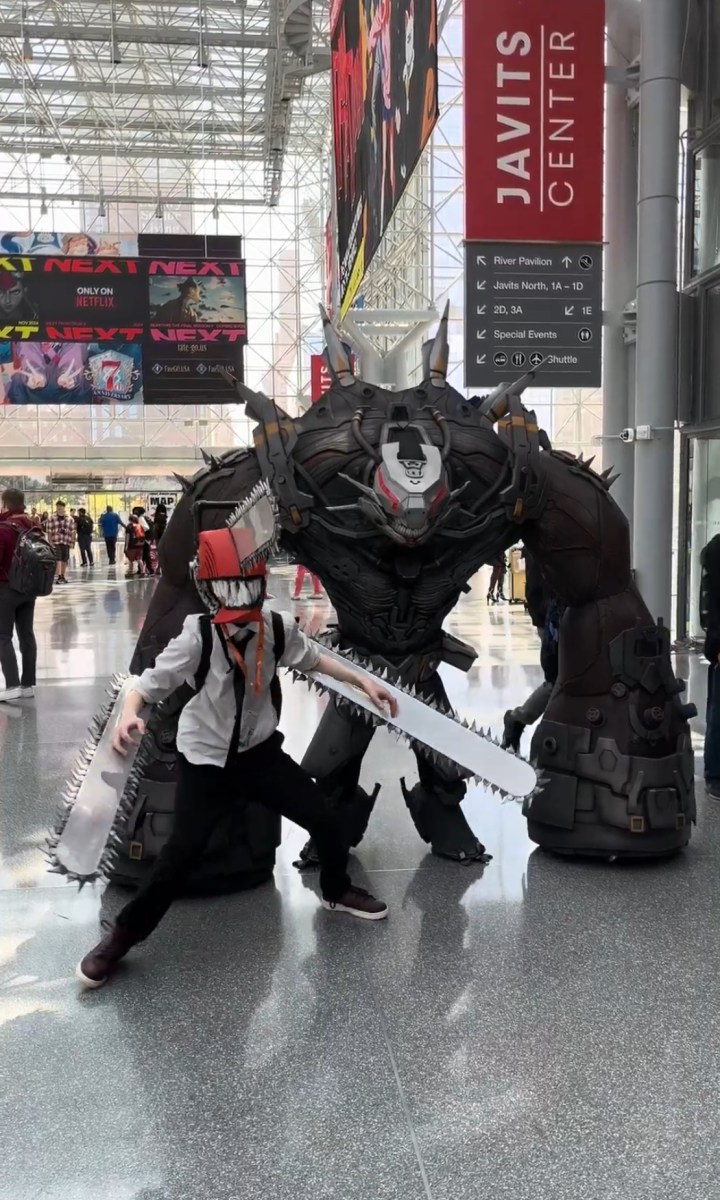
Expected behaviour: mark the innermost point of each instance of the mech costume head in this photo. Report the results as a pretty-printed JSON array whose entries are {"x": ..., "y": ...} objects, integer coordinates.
[
  {"x": 231, "y": 564},
  {"x": 408, "y": 493}
]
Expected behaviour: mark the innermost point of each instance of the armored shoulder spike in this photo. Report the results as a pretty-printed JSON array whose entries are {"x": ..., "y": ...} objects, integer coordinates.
[
  {"x": 439, "y": 353},
  {"x": 338, "y": 360},
  {"x": 184, "y": 482}
]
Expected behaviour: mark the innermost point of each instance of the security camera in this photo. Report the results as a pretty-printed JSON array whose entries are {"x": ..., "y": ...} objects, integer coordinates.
[{"x": 627, "y": 435}]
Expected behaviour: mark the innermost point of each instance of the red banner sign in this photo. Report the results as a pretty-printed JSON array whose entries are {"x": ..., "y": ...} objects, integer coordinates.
[
  {"x": 535, "y": 78},
  {"x": 320, "y": 377}
]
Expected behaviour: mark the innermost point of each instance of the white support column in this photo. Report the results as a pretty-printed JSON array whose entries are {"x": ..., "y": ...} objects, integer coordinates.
[
  {"x": 662, "y": 26},
  {"x": 621, "y": 198}
]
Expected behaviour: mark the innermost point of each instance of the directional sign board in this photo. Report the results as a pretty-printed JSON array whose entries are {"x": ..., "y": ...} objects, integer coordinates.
[{"x": 533, "y": 307}]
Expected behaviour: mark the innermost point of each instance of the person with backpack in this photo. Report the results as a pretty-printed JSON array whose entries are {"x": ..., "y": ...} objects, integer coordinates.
[
  {"x": 61, "y": 534},
  {"x": 109, "y": 524},
  {"x": 230, "y": 750},
  {"x": 27, "y": 567},
  {"x": 84, "y": 526}
]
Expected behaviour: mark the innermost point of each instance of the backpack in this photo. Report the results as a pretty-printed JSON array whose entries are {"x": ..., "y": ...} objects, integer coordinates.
[
  {"x": 244, "y": 848},
  {"x": 32, "y": 568},
  {"x": 136, "y": 536}
]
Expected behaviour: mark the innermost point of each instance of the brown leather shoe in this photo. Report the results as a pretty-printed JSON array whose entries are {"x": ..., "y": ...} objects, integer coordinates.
[
  {"x": 96, "y": 967},
  {"x": 358, "y": 903}
]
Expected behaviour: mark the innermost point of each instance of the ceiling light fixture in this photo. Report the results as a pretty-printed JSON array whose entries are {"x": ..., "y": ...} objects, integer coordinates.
[
  {"x": 27, "y": 50},
  {"x": 216, "y": 210},
  {"x": 159, "y": 211},
  {"x": 43, "y": 203},
  {"x": 101, "y": 206}
]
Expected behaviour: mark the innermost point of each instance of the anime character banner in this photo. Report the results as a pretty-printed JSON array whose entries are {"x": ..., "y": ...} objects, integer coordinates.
[
  {"x": 197, "y": 329},
  {"x": 384, "y": 71},
  {"x": 70, "y": 373},
  {"x": 83, "y": 245},
  {"x": 73, "y": 327}
]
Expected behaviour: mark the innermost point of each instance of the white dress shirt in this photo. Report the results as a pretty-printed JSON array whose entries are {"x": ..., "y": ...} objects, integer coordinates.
[{"x": 207, "y": 722}]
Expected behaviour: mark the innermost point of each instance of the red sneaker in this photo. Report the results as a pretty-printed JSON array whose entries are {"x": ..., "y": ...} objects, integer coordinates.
[{"x": 358, "y": 903}]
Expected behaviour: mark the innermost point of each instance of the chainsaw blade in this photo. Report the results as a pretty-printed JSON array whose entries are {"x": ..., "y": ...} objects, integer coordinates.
[
  {"x": 98, "y": 798},
  {"x": 437, "y": 734}
]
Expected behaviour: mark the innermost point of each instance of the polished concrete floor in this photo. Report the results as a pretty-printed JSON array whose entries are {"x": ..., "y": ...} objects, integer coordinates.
[{"x": 536, "y": 1030}]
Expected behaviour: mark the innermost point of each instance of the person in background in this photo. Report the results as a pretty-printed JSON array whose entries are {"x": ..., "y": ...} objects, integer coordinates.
[
  {"x": 84, "y": 526},
  {"x": 134, "y": 545},
  {"x": 497, "y": 580},
  {"x": 300, "y": 579},
  {"x": 710, "y": 623},
  {"x": 546, "y": 612},
  {"x": 44, "y": 520},
  {"x": 139, "y": 512},
  {"x": 109, "y": 524},
  {"x": 34, "y": 516},
  {"x": 17, "y": 612},
  {"x": 159, "y": 522},
  {"x": 61, "y": 534}
]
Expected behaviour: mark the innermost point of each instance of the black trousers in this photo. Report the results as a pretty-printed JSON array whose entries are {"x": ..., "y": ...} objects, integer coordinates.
[
  {"x": 265, "y": 774},
  {"x": 111, "y": 544},
  {"x": 85, "y": 548},
  {"x": 17, "y": 612}
]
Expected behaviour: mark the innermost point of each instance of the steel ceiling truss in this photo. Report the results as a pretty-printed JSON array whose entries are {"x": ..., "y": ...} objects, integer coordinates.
[{"x": 148, "y": 85}]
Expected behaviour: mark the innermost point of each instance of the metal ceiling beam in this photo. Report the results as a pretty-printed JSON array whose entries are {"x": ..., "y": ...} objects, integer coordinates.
[
  {"x": 109, "y": 88},
  {"x": 108, "y": 198},
  {"x": 192, "y": 127},
  {"x": 110, "y": 149},
  {"x": 135, "y": 35}
]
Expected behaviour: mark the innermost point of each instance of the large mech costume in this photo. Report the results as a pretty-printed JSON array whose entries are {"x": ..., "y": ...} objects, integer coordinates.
[{"x": 395, "y": 500}]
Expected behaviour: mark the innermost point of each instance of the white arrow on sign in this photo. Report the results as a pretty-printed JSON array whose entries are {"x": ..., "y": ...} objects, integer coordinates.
[
  {"x": 480, "y": 359},
  {"x": 569, "y": 310},
  {"x": 481, "y": 334},
  {"x": 480, "y": 285},
  {"x": 481, "y": 310},
  {"x": 480, "y": 260},
  {"x": 567, "y": 262}
]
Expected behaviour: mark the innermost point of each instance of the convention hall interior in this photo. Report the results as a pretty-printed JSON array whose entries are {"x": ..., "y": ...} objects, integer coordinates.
[{"x": 359, "y": 599}]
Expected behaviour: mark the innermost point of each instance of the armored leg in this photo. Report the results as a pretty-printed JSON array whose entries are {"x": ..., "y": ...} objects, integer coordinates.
[
  {"x": 614, "y": 747},
  {"x": 334, "y": 759},
  {"x": 434, "y": 802}
]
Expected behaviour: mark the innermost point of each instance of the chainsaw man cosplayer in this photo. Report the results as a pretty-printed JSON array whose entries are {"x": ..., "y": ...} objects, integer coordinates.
[{"x": 228, "y": 742}]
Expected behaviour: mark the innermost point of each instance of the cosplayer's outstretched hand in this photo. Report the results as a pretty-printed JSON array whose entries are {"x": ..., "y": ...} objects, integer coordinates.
[
  {"x": 379, "y": 695},
  {"x": 130, "y": 728}
]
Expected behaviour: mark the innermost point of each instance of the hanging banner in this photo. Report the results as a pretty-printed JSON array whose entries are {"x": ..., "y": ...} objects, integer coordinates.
[
  {"x": 198, "y": 326},
  {"x": 534, "y": 94},
  {"x": 320, "y": 377},
  {"x": 384, "y": 81},
  {"x": 84, "y": 329}
]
